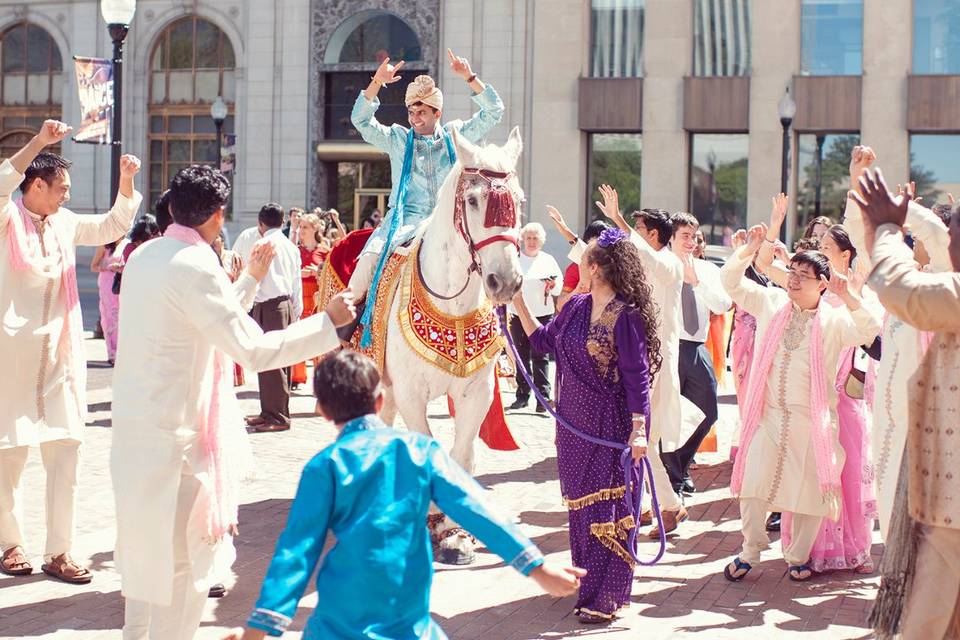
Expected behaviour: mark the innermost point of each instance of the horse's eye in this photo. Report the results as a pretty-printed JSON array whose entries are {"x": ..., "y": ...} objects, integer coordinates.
[{"x": 472, "y": 201}]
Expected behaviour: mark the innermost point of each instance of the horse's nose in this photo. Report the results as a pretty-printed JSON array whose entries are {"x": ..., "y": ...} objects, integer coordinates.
[{"x": 494, "y": 282}]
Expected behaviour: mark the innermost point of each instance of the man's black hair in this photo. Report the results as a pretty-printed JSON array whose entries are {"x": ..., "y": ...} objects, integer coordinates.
[
  {"x": 842, "y": 239},
  {"x": 815, "y": 260},
  {"x": 943, "y": 211},
  {"x": 195, "y": 193},
  {"x": 594, "y": 229},
  {"x": 47, "y": 166},
  {"x": 683, "y": 219},
  {"x": 658, "y": 219},
  {"x": 161, "y": 209},
  {"x": 144, "y": 229},
  {"x": 346, "y": 385},
  {"x": 271, "y": 215}
]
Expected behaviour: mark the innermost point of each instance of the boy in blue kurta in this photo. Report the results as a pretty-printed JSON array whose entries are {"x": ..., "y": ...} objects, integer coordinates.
[{"x": 372, "y": 488}]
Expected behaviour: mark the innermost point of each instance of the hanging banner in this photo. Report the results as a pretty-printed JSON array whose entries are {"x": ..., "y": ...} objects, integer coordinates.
[
  {"x": 95, "y": 88},
  {"x": 228, "y": 154}
]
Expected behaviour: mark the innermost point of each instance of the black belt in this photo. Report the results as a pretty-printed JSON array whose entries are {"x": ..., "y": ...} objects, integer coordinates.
[
  {"x": 277, "y": 299},
  {"x": 693, "y": 342}
]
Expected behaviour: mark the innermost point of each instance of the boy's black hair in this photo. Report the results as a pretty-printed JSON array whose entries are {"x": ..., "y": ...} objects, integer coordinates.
[
  {"x": 347, "y": 385},
  {"x": 594, "y": 229},
  {"x": 658, "y": 219}
]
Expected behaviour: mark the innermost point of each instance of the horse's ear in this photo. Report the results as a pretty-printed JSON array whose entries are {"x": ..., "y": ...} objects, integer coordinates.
[
  {"x": 514, "y": 145},
  {"x": 466, "y": 150}
]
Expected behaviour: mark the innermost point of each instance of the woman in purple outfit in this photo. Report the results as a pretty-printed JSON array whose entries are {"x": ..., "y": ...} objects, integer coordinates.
[{"x": 607, "y": 352}]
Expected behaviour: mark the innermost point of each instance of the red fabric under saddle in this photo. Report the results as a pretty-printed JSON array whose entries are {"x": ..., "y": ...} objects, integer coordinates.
[{"x": 345, "y": 254}]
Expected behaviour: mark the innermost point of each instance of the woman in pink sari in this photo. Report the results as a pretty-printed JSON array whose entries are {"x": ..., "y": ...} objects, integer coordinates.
[
  {"x": 106, "y": 264},
  {"x": 845, "y": 544}
]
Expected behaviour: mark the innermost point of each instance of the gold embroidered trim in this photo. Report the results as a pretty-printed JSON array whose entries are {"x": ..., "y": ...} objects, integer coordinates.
[
  {"x": 599, "y": 614},
  {"x": 619, "y": 529},
  {"x": 600, "y": 343},
  {"x": 611, "y": 543},
  {"x": 883, "y": 460},
  {"x": 45, "y": 343},
  {"x": 613, "y": 493},
  {"x": 784, "y": 423}
]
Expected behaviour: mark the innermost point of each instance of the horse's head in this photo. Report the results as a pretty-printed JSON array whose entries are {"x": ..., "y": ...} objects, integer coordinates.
[{"x": 487, "y": 211}]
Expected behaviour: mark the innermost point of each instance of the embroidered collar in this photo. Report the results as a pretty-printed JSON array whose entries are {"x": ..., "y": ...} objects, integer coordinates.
[{"x": 369, "y": 421}]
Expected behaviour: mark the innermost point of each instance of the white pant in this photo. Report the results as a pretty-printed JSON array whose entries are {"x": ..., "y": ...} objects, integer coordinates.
[
  {"x": 936, "y": 584},
  {"x": 181, "y": 620},
  {"x": 666, "y": 496},
  {"x": 753, "y": 523},
  {"x": 61, "y": 459},
  {"x": 363, "y": 275}
]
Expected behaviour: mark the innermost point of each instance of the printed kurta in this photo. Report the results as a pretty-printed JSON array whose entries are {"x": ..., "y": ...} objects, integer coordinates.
[
  {"x": 37, "y": 402},
  {"x": 431, "y": 162},
  {"x": 781, "y": 468},
  {"x": 602, "y": 378},
  {"x": 177, "y": 306},
  {"x": 372, "y": 489}
]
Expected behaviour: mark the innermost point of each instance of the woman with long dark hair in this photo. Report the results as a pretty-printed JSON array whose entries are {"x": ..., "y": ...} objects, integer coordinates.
[{"x": 607, "y": 353}]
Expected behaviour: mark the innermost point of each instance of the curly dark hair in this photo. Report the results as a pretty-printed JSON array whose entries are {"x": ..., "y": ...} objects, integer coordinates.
[
  {"x": 621, "y": 268},
  {"x": 195, "y": 193}
]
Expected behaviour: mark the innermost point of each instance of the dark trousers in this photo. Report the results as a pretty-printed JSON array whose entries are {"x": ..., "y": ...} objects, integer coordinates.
[
  {"x": 274, "y": 315},
  {"x": 535, "y": 363},
  {"x": 698, "y": 384}
]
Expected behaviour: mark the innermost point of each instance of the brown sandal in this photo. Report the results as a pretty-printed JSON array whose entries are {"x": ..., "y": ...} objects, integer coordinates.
[
  {"x": 58, "y": 568},
  {"x": 15, "y": 563}
]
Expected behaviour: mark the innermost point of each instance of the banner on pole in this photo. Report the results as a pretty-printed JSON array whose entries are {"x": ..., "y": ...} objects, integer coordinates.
[
  {"x": 95, "y": 88},
  {"x": 228, "y": 154}
]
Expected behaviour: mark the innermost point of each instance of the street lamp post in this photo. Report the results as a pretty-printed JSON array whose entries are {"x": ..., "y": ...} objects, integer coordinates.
[
  {"x": 787, "y": 109},
  {"x": 218, "y": 111},
  {"x": 117, "y": 14}
]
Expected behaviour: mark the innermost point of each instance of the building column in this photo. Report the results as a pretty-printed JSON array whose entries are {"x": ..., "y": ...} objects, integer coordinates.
[{"x": 667, "y": 58}]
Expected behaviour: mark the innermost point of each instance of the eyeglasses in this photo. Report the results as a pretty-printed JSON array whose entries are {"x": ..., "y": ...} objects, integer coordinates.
[{"x": 800, "y": 275}]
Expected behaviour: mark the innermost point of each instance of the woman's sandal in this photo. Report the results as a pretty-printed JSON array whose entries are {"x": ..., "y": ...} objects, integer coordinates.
[
  {"x": 738, "y": 565},
  {"x": 15, "y": 563},
  {"x": 796, "y": 572},
  {"x": 58, "y": 565},
  {"x": 587, "y": 617}
]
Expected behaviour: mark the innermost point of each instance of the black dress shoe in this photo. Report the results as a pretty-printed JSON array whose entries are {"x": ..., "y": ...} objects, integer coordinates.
[
  {"x": 519, "y": 403},
  {"x": 773, "y": 521},
  {"x": 541, "y": 408},
  {"x": 687, "y": 486},
  {"x": 217, "y": 591}
]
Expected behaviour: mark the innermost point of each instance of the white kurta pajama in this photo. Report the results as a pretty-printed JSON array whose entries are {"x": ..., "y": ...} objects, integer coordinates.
[
  {"x": 781, "y": 469},
  {"x": 178, "y": 307},
  {"x": 42, "y": 402}
]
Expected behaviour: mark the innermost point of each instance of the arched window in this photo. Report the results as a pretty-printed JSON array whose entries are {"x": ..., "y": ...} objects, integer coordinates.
[
  {"x": 192, "y": 62},
  {"x": 31, "y": 84},
  {"x": 371, "y": 36}
]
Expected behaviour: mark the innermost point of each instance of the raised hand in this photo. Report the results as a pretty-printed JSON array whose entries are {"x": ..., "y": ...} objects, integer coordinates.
[
  {"x": 857, "y": 277},
  {"x": 689, "y": 270},
  {"x": 755, "y": 237},
  {"x": 861, "y": 159},
  {"x": 52, "y": 132},
  {"x": 778, "y": 211},
  {"x": 780, "y": 252},
  {"x": 260, "y": 259},
  {"x": 561, "y": 224},
  {"x": 739, "y": 238},
  {"x": 912, "y": 185},
  {"x": 460, "y": 66},
  {"x": 129, "y": 166},
  {"x": 879, "y": 206},
  {"x": 386, "y": 73},
  {"x": 341, "y": 309}
]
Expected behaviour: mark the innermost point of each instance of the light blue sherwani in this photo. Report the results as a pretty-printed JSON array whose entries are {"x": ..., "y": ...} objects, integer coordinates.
[
  {"x": 372, "y": 488},
  {"x": 431, "y": 159}
]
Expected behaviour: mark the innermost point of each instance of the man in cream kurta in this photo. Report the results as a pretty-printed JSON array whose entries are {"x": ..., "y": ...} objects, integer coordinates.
[
  {"x": 179, "y": 309},
  {"x": 780, "y": 464},
  {"x": 43, "y": 400},
  {"x": 903, "y": 344}
]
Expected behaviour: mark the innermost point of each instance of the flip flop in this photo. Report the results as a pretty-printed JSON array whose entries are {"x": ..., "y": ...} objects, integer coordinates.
[
  {"x": 798, "y": 569},
  {"x": 739, "y": 565}
]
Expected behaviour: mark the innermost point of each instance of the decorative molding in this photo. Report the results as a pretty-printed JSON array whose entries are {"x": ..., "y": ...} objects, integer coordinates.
[
  {"x": 234, "y": 12},
  {"x": 20, "y": 11}
]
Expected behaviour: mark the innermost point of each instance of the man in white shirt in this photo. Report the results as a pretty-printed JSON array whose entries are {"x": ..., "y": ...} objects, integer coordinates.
[
  {"x": 243, "y": 245},
  {"x": 278, "y": 303},
  {"x": 702, "y": 293}
]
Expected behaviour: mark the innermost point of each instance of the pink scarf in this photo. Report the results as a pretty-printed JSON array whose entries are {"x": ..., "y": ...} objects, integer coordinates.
[
  {"x": 221, "y": 501},
  {"x": 828, "y": 471},
  {"x": 23, "y": 245}
]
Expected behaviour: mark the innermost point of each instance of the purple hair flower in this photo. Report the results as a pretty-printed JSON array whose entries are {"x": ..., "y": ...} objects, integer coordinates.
[{"x": 610, "y": 237}]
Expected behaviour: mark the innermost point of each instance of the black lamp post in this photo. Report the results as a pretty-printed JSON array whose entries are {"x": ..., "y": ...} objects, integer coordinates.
[
  {"x": 117, "y": 14},
  {"x": 787, "y": 109},
  {"x": 218, "y": 111}
]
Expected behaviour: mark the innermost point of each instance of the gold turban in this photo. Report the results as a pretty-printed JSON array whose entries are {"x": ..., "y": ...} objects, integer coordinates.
[{"x": 424, "y": 89}]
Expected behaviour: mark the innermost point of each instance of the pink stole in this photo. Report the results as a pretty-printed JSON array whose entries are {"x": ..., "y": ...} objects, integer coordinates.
[
  {"x": 828, "y": 471},
  {"x": 221, "y": 504},
  {"x": 23, "y": 245}
]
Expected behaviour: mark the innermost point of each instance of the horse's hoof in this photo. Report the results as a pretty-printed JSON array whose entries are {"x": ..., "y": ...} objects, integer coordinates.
[{"x": 456, "y": 557}]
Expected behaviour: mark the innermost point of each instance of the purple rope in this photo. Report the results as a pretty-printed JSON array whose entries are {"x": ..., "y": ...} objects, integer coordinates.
[{"x": 632, "y": 473}]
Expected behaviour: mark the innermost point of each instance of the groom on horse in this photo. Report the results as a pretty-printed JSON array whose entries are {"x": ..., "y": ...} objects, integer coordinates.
[{"x": 420, "y": 159}]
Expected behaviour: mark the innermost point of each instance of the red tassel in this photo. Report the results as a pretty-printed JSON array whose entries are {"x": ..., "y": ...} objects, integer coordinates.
[{"x": 501, "y": 210}]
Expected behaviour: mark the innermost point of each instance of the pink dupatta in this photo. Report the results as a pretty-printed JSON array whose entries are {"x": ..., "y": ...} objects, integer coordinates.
[
  {"x": 221, "y": 503},
  {"x": 23, "y": 245},
  {"x": 828, "y": 471}
]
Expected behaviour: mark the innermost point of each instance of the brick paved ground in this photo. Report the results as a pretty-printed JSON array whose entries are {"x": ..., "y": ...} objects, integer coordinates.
[{"x": 684, "y": 596}]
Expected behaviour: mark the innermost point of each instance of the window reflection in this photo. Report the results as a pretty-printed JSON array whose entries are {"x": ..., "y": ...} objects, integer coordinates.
[
  {"x": 721, "y": 38},
  {"x": 832, "y": 37},
  {"x": 718, "y": 184},
  {"x": 936, "y": 36},
  {"x": 615, "y": 159},
  {"x": 616, "y": 42},
  {"x": 823, "y": 176},
  {"x": 935, "y": 166}
]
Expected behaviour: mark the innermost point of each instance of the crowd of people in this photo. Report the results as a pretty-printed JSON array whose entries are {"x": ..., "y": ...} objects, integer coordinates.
[{"x": 826, "y": 341}]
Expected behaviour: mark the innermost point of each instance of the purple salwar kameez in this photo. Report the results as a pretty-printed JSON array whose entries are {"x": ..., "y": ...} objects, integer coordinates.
[{"x": 602, "y": 378}]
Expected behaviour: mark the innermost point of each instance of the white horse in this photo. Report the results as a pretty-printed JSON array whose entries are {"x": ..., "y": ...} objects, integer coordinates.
[{"x": 462, "y": 265}]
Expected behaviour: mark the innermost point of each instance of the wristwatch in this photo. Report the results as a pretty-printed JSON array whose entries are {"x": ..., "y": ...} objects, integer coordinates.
[{"x": 574, "y": 241}]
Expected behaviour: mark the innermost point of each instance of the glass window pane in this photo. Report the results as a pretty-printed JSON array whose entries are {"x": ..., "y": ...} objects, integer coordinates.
[
  {"x": 228, "y": 60},
  {"x": 159, "y": 60},
  {"x": 229, "y": 86},
  {"x": 178, "y": 124},
  {"x": 156, "y": 177},
  {"x": 823, "y": 177},
  {"x": 376, "y": 175},
  {"x": 616, "y": 38},
  {"x": 228, "y": 125},
  {"x": 181, "y": 86},
  {"x": 379, "y": 36},
  {"x": 208, "y": 86},
  {"x": 156, "y": 151},
  {"x": 178, "y": 150},
  {"x": 831, "y": 37},
  {"x": 14, "y": 49},
  {"x": 181, "y": 45},
  {"x": 39, "y": 49},
  {"x": 718, "y": 184},
  {"x": 615, "y": 159},
  {"x": 207, "y": 46},
  {"x": 57, "y": 84},
  {"x": 936, "y": 39},
  {"x": 14, "y": 87},
  {"x": 203, "y": 123},
  {"x": 38, "y": 89},
  {"x": 205, "y": 151},
  {"x": 156, "y": 124},
  {"x": 721, "y": 38},
  {"x": 158, "y": 90},
  {"x": 935, "y": 166}
]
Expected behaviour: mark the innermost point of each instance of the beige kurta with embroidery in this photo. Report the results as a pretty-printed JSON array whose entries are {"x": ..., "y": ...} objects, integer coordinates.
[
  {"x": 929, "y": 302},
  {"x": 781, "y": 464},
  {"x": 37, "y": 403}
]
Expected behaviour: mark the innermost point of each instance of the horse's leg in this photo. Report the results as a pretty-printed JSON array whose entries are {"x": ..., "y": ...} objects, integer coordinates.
[
  {"x": 471, "y": 400},
  {"x": 389, "y": 411}
]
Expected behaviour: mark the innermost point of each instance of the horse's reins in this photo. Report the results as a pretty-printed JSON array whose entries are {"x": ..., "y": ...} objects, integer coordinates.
[{"x": 633, "y": 475}]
